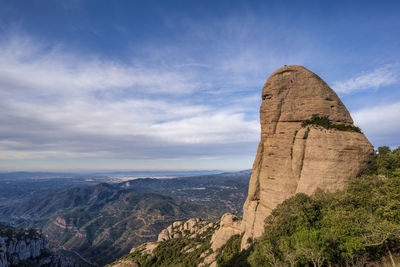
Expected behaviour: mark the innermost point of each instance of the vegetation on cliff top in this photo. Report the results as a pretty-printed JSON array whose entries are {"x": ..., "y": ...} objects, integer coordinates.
[
  {"x": 327, "y": 124},
  {"x": 18, "y": 233},
  {"x": 183, "y": 251}
]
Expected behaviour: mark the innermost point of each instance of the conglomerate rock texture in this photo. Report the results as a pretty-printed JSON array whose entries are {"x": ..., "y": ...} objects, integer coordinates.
[
  {"x": 178, "y": 229},
  {"x": 229, "y": 225},
  {"x": 292, "y": 158}
]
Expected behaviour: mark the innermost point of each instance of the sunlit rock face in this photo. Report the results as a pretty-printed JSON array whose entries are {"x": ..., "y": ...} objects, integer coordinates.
[
  {"x": 291, "y": 158},
  {"x": 229, "y": 225}
]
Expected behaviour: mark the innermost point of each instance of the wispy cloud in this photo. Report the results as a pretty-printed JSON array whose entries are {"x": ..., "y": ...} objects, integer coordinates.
[
  {"x": 380, "y": 123},
  {"x": 56, "y": 104},
  {"x": 375, "y": 79},
  {"x": 25, "y": 63}
]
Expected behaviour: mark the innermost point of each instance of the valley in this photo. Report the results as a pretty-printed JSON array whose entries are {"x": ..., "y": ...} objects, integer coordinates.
[{"x": 100, "y": 222}]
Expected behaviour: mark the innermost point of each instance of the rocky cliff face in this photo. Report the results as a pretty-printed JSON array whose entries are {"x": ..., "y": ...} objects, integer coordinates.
[
  {"x": 27, "y": 247},
  {"x": 294, "y": 158},
  {"x": 229, "y": 225}
]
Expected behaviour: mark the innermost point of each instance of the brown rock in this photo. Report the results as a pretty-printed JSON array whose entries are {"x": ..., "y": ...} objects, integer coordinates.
[
  {"x": 190, "y": 229},
  {"x": 126, "y": 263},
  {"x": 230, "y": 225},
  {"x": 183, "y": 228},
  {"x": 146, "y": 247},
  {"x": 291, "y": 158}
]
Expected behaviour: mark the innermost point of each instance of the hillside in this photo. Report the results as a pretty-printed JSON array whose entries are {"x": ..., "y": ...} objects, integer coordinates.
[
  {"x": 101, "y": 222},
  {"x": 105, "y": 221},
  {"x": 225, "y": 191},
  {"x": 355, "y": 226}
]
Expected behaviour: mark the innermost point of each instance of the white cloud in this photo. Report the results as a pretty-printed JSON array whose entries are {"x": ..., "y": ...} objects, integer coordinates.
[
  {"x": 60, "y": 105},
  {"x": 24, "y": 64},
  {"x": 218, "y": 128},
  {"x": 379, "y": 77},
  {"x": 380, "y": 123}
]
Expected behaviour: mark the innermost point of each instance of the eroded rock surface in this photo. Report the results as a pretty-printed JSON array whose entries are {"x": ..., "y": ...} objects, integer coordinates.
[
  {"x": 28, "y": 247},
  {"x": 179, "y": 229},
  {"x": 196, "y": 231},
  {"x": 230, "y": 225},
  {"x": 291, "y": 158}
]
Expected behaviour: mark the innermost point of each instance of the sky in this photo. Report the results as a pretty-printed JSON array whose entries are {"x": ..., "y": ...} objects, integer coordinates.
[{"x": 176, "y": 85}]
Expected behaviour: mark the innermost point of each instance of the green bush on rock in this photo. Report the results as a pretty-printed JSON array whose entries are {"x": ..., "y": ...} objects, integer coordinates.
[
  {"x": 352, "y": 226},
  {"x": 230, "y": 254},
  {"x": 327, "y": 124}
]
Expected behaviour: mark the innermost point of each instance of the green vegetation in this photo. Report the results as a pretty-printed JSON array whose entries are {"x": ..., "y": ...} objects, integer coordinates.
[
  {"x": 294, "y": 136},
  {"x": 351, "y": 227},
  {"x": 230, "y": 255},
  {"x": 306, "y": 133},
  {"x": 357, "y": 225},
  {"x": 103, "y": 222},
  {"x": 227, "y": 252},
  {"x": 19, "y": 233},
  {"x": 327, "y": 124},
  {"x": 184, "y": 251},
  {"x": 293, "y": 140},
  {"x": 387, "y": 163}
]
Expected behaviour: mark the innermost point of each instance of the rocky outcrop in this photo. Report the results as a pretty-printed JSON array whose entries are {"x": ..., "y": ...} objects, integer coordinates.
[
  {"x": 27, "y": 247},
  {"x": 294, "y": 158},
  {"x": 126, "y": 263},
  {"x": 230, "y": 225},
  {"x": 196, "y": 234},
  {"x": 190, "y": 228}
]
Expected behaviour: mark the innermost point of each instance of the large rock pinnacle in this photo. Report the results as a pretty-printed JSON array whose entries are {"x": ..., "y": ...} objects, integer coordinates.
[{"x": 292, "y": 158}]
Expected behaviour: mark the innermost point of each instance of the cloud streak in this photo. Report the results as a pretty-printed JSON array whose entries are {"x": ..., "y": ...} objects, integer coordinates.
[
  {"x": 60, "y": 105},
  {"x": 375, "y": 79},
  {"x": 25, "y": 64},
  {"x": 380, "y": 123}
]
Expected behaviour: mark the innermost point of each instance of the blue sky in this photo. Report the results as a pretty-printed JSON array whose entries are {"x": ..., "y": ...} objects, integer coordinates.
[{"x": 157, "y": 85}]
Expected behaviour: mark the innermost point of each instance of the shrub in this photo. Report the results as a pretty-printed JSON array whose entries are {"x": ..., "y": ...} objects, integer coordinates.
[
  {"x": 326, "y": 123},
  {"x": 357, "y": 224},
  {"x": 230, "y": 254}
]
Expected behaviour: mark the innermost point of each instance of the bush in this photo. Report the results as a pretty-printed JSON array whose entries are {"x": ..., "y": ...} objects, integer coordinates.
[
  {"x": 183, "y": 251},
  {"x": 358, "y": 224},
  {"x": 231, "y": 255},
  {"x": 326, "y": 123}
]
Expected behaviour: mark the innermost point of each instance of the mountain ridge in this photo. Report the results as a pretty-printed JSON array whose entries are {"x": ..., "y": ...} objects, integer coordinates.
[{"x": 104, "y": 221}]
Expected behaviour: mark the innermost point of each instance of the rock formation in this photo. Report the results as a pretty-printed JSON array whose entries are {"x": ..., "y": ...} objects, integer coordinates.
[
  {"x": 28, "y": 247},
  {"x": 178, "y": 229},
  {"x": 230, "y": 225},
  {"x": 292, "y": 158},
  {"x": 195, "y": 229}
]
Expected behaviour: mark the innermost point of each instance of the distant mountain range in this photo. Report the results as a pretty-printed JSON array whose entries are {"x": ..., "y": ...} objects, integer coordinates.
[{"x": 104, "y": 221}]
